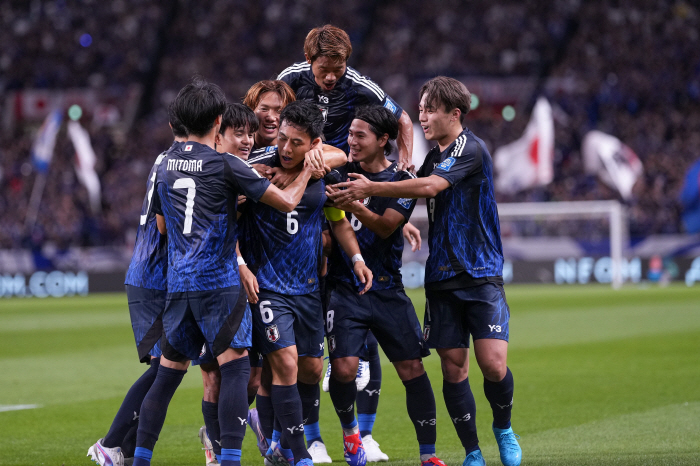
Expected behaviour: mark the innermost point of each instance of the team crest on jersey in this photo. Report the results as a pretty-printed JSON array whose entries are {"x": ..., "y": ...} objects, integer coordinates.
[
  {"x": 272, "y": 333},
  {"x": 390, "y": 105},
  {"x": 331, "y": 343},
  {"x": 446, "y": 164},
  {"x": 426, "y": 333},
  {"x": 365, "y": 201},
  {"x": 188, "y": 147},
  {"x": 405, "y": 202}
]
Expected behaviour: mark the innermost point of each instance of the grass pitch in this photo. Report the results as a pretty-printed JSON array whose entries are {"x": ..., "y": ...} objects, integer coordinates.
[{"x": 602, "y": 377}]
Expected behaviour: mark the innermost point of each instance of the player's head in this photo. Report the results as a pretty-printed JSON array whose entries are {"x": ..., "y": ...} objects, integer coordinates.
[
  {"x": 199, "y": 107},
  {"x": 267, "y": 99},
  {"x": 443, "y": 104},
  {"x": 236, "y": 135},
  {"x": 179, "y": 130},
  {"x": 327, "y": 49},
  {"x": 370, "y": 132},
  {"x": 301, "y": 128}
]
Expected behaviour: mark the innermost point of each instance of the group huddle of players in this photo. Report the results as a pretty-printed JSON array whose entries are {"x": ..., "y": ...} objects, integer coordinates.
[{"x": 273, "y": 227}]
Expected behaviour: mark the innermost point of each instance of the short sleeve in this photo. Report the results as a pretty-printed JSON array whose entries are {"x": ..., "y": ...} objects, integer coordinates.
[
  {"x": 337, "y": 175},
  {"x": 464, "y": 159},
  {"x": 245, "y": 179},
  {"x": 404, "y": 206}
]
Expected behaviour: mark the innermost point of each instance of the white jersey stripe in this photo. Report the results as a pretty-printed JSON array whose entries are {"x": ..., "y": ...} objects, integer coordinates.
[
  {"x": 297, "y": 68},
  {"x": 356, "y": 77},
  {"x": 459, "y": 146},
  {"x": 380, "y": 96}
]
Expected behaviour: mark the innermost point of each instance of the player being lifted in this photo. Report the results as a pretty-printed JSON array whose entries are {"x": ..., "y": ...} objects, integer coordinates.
[
  {"x": 463, "y": 275},
  {"x": 338, "y": 89},
  {"x": 385, "y": 309},
  {"x": 145, "y": 291},
  {"x": 195, "y": 203},
  {"x": 283, "y": 251}
]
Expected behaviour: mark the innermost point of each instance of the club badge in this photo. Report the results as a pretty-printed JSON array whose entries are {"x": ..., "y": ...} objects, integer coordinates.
[{"x": 272, "y": 333}]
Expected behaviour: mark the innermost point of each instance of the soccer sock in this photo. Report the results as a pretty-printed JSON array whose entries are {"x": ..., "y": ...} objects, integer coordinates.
[
  {"x": 461, "y": 407},
  {"x": 287, "y": 405},
  {"x": 251, "y": 399},
  {"x": 129, "y": 443},
  {"x": 155, "y": 407},
  {"x": 210, "y": 411},
  {"x": 420, "y": 402},
  {"x": 142, "y": 456},
  {"x": 233, "y": 409},
  {"x": 343, "y": 398},
  {"x": 266, "y": 415},
  {"x": 500, "y": 396},
  {"x": 310, "y": 395},
  {"x": 368, "y": 399},
  {"x": 128, "y": 414}
]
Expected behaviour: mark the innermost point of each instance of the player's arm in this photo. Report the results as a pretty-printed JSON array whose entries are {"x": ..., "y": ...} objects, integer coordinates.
[
  {"x": 412, "y": 235},
  {"x": 160, "y": 221},
  {"x": 286, "y": 199},
  {"x": 250, "y": 283},
  {"x": 361, "y": 187},
  {"x": 348, "y": 241},
  {"x": 382, "y": 225},
  {"x": 405, "y": 142},
  {"x": 326, "y": 158}
]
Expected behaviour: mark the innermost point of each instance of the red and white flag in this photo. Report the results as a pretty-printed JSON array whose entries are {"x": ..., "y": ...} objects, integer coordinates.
[
  {"x": 85, "y": 164},
  {"x": 527, "y": 162},
  {"x": 615, "y": 164}
]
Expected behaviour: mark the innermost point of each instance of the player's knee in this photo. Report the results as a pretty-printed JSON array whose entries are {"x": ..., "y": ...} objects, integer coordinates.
[
  {"x": 493, "y": 369},
  {"x": 408, "y": 370},
  {"x": 343, "y": 371}
]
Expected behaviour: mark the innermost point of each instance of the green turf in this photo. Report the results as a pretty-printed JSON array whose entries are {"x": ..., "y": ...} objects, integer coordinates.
[{"x": 602, "y": 377}]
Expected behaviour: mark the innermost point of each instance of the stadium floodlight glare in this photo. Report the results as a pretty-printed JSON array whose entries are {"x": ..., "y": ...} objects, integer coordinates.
[
  {"x": 475, "y": 102},
  {"x": 612, "y": 210}
]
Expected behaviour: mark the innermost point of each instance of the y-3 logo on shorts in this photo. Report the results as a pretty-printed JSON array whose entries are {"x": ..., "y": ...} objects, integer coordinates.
[{"x": 495, "y": 328}]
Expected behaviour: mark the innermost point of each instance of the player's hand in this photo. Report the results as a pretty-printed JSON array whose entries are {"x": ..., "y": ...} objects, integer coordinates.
[
  {"x": 352, "y": 206},
  {"x": 280, "y": 178},
  {"x": 364, "y": 274},
  {"x": 359, "y": 188},
  {"x": 262, "y": 169},
  {"x": 242, "y": 199},
  {"x": 412, "y": 235},
  {"x": 250, "y": 283},
  {"x": 406, "y": 166},
  {"x": 314, "y": 159}
]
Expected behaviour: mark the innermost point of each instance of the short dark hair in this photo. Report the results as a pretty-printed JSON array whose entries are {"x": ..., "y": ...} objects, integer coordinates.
[
  {"x": 381, "y": 121},
  {"x": 304, "y": 116},
  {"x": 448, "y": 92},
  {"x": 328, "y": 41},
  {"x": 238, "y": 116},
  {"x": 198, "y": 104},
  {"x": 179, "y": 130}
]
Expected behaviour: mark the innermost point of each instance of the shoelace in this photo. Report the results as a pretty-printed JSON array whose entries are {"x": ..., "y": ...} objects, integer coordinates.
[{"x": 509, "y": 439}]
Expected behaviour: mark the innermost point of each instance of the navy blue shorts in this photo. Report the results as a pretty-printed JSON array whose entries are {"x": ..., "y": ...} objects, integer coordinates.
[
  {"x": 452, "y": 315},
  {"x": 280, "y": 321},
  {"x": 146, "y": 311},
  {"x": 390, "y": 316},
  {"x": 239, "y": 340},
  {"x": 201, "y": 322}
]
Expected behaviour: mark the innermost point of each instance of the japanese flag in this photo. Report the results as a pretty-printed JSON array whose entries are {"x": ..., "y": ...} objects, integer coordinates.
[{"x": 527, "y": 162}]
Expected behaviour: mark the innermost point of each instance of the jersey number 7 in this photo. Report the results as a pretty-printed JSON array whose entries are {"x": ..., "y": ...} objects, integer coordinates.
[{"x": 187, "y": 183}]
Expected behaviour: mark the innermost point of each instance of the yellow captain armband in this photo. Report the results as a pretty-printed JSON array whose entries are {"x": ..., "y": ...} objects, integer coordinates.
[{"x": 333, "y": 214}]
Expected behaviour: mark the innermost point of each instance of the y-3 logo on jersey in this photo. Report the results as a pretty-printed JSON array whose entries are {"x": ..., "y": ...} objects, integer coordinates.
[
  {"x": 495, "y": 328},
  {"x": 323, "y": 99}
]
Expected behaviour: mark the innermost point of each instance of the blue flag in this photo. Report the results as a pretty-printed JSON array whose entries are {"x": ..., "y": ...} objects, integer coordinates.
[
  {"x": 42, "y": 149},
  {"x": 690, "y": 199}
]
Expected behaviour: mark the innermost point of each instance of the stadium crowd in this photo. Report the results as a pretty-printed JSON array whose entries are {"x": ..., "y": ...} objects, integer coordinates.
[{"x": 630, "y": 70}]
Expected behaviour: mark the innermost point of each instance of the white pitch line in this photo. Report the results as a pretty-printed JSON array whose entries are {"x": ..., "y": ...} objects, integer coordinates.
[{"x": 4, "y": 408}]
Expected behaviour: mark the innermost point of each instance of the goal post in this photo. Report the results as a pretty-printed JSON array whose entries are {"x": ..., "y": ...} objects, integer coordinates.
[{"x": 613, "y": 211}]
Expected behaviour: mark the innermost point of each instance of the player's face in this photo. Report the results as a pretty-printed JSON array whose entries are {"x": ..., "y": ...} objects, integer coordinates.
[
  {"x": 327, "y": 72},
  {"x": 363, "y": 143},
  {"x": 268, "y": 113},
  {"x": 292, "y": 144},
  {"x": 434, "y": 121},
  {"x": 236, "y": 141}
]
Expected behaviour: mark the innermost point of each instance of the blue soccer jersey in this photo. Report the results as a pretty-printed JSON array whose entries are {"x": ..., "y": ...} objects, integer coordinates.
[
  {"x": 197, "y": 190},
  {"x": 149, "y": 263},
  {"x": 464, "y": 234},
  {"x": 338, "y": 105},
  {"x": 283, "y": 249},
  {"x": 381, "y": 255}
]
